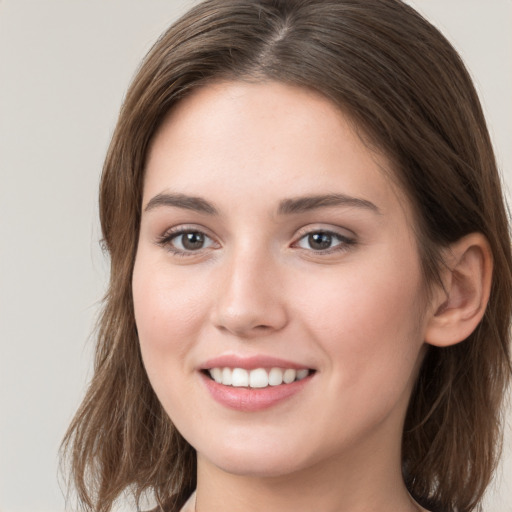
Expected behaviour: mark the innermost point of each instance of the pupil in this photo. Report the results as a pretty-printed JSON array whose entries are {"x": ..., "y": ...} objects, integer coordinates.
[
  {"x": 193, "y": 241},
  {"x": 320, "y": 240}
]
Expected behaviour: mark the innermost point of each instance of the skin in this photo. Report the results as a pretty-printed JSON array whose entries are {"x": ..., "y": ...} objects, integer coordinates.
[{"x": 356, "y": 313}]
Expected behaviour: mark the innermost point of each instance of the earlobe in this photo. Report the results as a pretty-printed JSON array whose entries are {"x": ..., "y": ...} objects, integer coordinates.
[{"x": 458, "y": 307}]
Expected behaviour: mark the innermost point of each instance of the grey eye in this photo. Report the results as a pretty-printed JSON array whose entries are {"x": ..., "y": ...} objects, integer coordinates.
[
  {"x": 191, "y": 241},
  {"x": 320, "y": 241}
]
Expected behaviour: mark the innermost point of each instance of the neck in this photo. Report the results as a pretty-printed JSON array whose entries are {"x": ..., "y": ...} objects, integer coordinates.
[{"x": 357, "y": 482}]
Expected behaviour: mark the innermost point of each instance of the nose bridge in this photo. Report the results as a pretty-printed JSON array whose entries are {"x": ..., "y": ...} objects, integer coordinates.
[{"x": 250, "y": 299}]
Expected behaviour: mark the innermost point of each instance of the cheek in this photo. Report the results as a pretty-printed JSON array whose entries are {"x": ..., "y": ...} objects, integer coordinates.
[
  {"x": 169, "y": 310},
  {"x": 368, "y": 321}
]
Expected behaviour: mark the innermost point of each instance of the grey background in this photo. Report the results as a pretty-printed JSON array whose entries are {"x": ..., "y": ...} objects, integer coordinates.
[{"x": 64, "y": 68}]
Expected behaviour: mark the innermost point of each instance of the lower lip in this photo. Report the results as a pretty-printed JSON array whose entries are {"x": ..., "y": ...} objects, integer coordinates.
[{"x": 253, "y": 399}]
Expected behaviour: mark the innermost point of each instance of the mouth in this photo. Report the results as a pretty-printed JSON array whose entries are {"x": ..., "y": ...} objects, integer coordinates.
[
  {"x": 254, "y": 383},
  {"x": 258, "y": 378}
]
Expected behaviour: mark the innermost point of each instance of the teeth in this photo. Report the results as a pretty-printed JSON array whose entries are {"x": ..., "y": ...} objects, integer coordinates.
[
  {"x": 275, "y": 377},
  {"x": 258, "y": 378},
  {"x": 239, "y": 378},
  {"x": 226, "y": 376},
  {"x": 289, "y": 375},
  {"x": 216, "y": 374},
  {"x": 302, "y": 374}
]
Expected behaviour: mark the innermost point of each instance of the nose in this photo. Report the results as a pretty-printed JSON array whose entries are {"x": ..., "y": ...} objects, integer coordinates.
[{"x": 250, "y": 299}]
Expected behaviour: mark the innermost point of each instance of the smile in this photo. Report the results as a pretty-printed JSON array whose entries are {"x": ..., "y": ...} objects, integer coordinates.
[{"x": 258, "y": 377}]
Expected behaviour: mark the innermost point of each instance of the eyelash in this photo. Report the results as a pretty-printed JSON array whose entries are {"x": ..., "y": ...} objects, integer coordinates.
[
  {"x": 166, "y": 241},
  {"x": 345, "y": 242}
]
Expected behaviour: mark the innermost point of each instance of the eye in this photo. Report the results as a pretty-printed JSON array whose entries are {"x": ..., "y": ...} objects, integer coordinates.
[
  {"x": 324, "y": 241},
  {"x": 186, "y": 241}
]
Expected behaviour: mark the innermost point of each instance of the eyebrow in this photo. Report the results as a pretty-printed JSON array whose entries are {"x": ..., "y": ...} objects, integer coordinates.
[
  {"x": 307, "y": 203},
  {"x": 286, "y": 207},
  {"x": 197, "y": 204}
]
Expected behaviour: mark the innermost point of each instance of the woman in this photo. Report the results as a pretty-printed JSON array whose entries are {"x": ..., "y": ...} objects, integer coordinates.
[{"x": 309, "y": 303}]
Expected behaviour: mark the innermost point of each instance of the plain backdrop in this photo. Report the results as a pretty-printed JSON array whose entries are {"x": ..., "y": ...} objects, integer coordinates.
[{"x": 64, "y": 68}]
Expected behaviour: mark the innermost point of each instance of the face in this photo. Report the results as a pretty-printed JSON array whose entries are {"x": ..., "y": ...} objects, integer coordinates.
[{"x": 277, "y": 283}]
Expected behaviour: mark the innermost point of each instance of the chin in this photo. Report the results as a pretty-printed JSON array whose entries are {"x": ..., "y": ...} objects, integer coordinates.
[
  {"x": 257, "y": 459},
  {"x": 257, "y": 466}
]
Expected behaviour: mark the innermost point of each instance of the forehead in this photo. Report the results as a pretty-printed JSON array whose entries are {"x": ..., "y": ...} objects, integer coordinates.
[{"x": 269, "y": 140}]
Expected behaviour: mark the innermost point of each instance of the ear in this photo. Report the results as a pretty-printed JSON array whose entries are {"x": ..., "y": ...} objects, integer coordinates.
[{"x": 458, "y": 306}]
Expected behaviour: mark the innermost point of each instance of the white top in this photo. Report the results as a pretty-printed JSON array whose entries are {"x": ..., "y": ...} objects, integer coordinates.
[{"x": 190, "y": 504}]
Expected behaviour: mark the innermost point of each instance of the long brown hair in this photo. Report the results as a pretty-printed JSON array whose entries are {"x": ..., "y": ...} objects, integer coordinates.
[{"x": 408, "y": 92}]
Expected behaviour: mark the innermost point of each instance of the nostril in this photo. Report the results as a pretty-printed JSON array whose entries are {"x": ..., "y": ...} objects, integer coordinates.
[
  {"x": 247, "y": 309},
  {"x": 245, "y": 329}
]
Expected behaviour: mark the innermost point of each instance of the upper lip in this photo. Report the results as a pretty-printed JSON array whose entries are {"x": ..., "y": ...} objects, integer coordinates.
[{"x": 250, "y": 363}]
